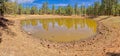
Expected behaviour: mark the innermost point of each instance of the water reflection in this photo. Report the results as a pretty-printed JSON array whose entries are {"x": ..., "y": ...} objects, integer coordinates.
[{"x": 60, "y": 30}]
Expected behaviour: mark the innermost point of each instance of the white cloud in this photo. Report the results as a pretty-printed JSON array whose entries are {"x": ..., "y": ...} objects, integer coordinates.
[
  {"x": 61, "y": 4},
  {"x": 22, "y": 1},
  {"x": 36, "y": 4}
]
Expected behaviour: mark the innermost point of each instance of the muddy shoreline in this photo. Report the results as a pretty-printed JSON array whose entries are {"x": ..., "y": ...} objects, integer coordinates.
[
  {"x": 89, "y": 41},
  {"x": 106, "y": 41}
]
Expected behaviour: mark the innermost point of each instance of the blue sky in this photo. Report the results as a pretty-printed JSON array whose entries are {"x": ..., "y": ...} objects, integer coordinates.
[{"x": 57, "y": 3}]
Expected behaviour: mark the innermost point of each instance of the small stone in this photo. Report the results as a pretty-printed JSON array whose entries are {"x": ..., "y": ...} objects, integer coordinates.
[
  {"x": 0, "y": 34},
  {"x": 48, "y": 46},
  {"x": 59, "y": 52},
  {"x": 29, "y": 33},
  {"x": 0, "y": 40},
  {"x": 75, "y": 55}
]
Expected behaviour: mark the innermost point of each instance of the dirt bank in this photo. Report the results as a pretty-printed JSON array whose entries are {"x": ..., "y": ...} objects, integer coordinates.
[
  {"x": 16, "y": 42},
  {"x": 23, "y": 17}
]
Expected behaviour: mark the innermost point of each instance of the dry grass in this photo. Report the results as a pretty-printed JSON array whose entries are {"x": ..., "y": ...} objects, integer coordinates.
[
  {"x": 22, "y": 17},
  {"x": 22, "y": 44}
]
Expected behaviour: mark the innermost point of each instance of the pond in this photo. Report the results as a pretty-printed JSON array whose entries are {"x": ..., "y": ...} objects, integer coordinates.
[{"x": 60, "y": 30}]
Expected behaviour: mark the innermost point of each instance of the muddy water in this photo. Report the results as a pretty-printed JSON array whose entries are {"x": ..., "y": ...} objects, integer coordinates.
[{"x": 60, "y": 30}]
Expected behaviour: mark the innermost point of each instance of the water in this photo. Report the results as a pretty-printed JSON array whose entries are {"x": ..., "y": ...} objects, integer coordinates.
[{"x": 60, "y": 30}]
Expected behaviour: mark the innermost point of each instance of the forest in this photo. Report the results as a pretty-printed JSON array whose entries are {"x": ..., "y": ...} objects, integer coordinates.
[
  {"x": 99, "y": 8},
  {"x": 59, "y": 27}
]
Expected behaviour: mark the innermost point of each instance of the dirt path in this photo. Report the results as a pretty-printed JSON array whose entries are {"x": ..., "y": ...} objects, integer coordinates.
[{"x": 15, "y": 42}]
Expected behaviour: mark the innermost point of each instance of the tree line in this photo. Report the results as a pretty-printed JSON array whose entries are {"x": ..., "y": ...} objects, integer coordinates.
[{"x": 105, "y": 7}]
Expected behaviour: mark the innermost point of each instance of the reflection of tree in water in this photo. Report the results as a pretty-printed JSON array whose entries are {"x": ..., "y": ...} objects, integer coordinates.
[
  {"x": 69, "y": 23},
  {"x": 53, "y": 23},
  {"x": 82, "y": 23},
  {"x": 33, "y": 22},
  {"x": 45, "y": 24},
  {"x": 91, "y": 24},
  {"x": 25, "y": 22},
  {"x": 60, "y": 22}
]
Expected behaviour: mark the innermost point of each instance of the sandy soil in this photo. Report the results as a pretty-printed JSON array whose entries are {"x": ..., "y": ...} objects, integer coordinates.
[
  {"x": 16, "y": 42},
  {"x": 23, "y": 17}
]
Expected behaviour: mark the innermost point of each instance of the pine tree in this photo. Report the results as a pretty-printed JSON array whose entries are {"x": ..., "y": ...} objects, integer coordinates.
[
  {"x": 2, "y": 7},
  {"x": 45, "y": 8},
  {"x": 69, "y": 10},
  {"x": 20, "y": 9},
  {"x": 96, "y": 8},
  {"x": 76, "y": 9},
  {"x": 53, "y": 9},
  {"x": 34, "y": 10}
]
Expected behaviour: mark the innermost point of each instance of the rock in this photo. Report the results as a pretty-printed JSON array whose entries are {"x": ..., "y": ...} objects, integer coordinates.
[
  {"x": 0, "y": 34},
  {"x": 75, "y": 55},
  {"x": 29, "y": 33},
  {"x": 113, "y": 54},
  {"x": 48, "y": 46},
  {"x": 0, "y": 40}
]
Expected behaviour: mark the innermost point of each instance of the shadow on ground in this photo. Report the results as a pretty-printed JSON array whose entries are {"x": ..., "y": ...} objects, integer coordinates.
[
  {"x": 4, "y": 26},
  {"x": 113, "y": 54}
]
